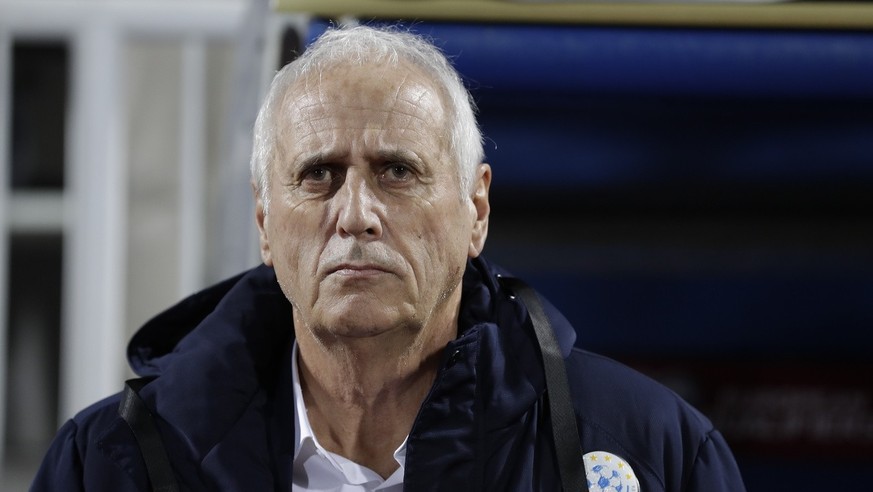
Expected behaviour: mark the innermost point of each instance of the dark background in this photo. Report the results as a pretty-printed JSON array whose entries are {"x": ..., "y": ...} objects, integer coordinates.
[{"x": 698, "y": 204}]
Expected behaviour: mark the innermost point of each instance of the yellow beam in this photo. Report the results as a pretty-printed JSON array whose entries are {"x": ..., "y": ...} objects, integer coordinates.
[{"x": 809, "y": 15}]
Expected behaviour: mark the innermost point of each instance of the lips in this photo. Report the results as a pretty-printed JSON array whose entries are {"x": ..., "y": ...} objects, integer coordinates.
[{"x": 357, "y": 269}]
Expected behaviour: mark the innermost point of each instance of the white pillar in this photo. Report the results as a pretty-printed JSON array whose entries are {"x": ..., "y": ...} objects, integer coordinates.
[
  {"x": 192, "y": 167},
  {"x": 92, "y": 331},
  {"x": 236, "y": 238},
  {"x": 5, "y": 170}
]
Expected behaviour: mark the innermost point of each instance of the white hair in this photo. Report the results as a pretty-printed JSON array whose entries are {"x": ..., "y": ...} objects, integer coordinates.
[{"x": 361, "y": 45}]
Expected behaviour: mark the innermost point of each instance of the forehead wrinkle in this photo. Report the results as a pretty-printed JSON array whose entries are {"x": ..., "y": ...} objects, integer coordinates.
[
  {"x": 305, "y": 129},
  {"x": 317, "y": 101},
  {"x": 400, "y": 85},
  {"x": 426, "y": 106},
  {"x": 420, "y": 92},
  {"x": 402, "y": 120},
  {"x": 415, "y": 110},
  {"x": 301, "y": 115}
]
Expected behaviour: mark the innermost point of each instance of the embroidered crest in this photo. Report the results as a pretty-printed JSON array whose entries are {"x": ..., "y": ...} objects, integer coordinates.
[{"x": 607, "y": 472}]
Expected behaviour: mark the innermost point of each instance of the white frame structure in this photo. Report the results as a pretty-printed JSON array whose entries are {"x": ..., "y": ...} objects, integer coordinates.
[
  {"x": 5, "y": 132},
  {"x": 91, "y": 211}
]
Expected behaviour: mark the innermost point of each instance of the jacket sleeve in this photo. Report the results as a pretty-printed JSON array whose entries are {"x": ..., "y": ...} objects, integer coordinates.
[
  {"x": 61, "y": 469},
  {"x": 715, "y": 469}
]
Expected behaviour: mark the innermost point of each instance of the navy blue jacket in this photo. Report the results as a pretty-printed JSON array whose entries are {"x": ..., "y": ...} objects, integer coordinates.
[{"x": 224, "y": 401}]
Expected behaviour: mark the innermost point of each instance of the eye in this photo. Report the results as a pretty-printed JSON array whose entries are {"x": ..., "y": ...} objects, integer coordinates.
[
  {"x": 317, "y": 174},
  {"x": 397, "y": 173},
  {"x": 319, "y": 179}
]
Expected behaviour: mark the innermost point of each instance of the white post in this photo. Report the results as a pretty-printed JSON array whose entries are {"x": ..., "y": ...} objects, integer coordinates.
[
  {"x": 5, "y": 168},
  {"x": 237, "y": 235},
  {"x": 92, "y": 332},
  {"x": 192, "y": 167}
]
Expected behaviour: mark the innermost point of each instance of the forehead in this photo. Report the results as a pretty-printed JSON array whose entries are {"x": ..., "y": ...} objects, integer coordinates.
[{"x": 370, "y": 96}]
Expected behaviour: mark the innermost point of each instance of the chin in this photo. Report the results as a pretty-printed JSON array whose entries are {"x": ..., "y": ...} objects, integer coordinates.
[{"x": 359, "y": 322}]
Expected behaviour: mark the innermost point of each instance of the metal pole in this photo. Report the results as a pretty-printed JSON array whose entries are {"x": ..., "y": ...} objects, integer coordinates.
[
  {"x": 92, "y": 333},
  {"x": 192, "y": 167},
  {"x": 237, "y": 235},
  {"x": 5, "y": 167}
]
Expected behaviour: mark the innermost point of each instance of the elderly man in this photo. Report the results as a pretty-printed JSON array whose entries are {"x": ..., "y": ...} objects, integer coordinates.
[{"x": 376, "y": 349}]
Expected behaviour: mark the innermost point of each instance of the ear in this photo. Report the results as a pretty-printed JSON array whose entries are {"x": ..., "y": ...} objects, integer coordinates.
[
  {"x": 482, "y": 208},
  {"x": 261, "y": 220}
]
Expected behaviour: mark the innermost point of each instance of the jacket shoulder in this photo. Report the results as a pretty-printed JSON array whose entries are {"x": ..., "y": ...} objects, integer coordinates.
[
  {"x": 622, "y": 411},
  {"x": 603, "y": 385},
  {"x": 79, "y": 457},
  {"x": 92, "y": 423}
]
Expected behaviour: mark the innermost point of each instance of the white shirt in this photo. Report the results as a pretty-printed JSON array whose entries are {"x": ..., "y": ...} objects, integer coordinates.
[{"x": 317, "y": 469}]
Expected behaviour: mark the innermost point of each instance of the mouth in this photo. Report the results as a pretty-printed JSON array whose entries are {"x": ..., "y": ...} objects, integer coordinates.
[{"x": 357, "y": 270}]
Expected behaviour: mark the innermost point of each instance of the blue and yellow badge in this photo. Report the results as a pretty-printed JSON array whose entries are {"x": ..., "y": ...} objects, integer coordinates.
[{"x": 607, "y": 472}]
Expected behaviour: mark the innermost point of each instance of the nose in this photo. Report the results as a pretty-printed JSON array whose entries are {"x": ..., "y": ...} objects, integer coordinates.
[{"x": 357, "y": 209}]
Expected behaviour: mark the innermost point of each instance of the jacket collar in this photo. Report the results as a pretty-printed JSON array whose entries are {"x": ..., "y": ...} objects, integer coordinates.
[
  {"x": 217, "y": 349},
  {"x": 214, "y": 373},
  {"x": 510, "y": 360}
]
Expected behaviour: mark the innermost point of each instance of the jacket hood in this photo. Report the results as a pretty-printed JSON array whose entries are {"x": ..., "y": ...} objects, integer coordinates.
[{"x": 251, "y": 295}]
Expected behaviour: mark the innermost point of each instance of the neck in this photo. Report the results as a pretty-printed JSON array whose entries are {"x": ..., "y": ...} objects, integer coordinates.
[{"x": 362, "y": 394}]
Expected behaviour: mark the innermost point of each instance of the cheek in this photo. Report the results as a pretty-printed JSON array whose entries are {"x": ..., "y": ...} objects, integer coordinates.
[
  {"x": 295, "y": 246},
  {"x": 444, "y": 242},
  {"x": 286, "y": 259}
]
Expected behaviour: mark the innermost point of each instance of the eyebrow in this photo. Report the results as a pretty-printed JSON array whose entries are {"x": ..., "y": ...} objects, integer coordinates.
[
  {"x": 401, "y": 155},
  {"x": 386, "y": 155},
  {"x": 315, "y": 158}
]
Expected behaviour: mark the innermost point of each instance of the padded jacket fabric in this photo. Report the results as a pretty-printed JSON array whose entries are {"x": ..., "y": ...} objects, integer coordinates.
[{"x": 224, "y": 405}]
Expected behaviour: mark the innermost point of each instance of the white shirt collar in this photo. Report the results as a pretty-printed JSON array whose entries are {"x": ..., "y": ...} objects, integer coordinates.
[{"x": 307, "y": 447}]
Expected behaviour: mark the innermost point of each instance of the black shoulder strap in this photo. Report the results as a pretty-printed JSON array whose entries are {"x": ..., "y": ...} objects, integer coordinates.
[
  {"x": 134, "y": 412},
  {"x": 565, "y": 433}
]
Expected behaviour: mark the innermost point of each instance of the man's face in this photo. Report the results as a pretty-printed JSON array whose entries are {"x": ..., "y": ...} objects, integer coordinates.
[{"x": 367, "y": 228}]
